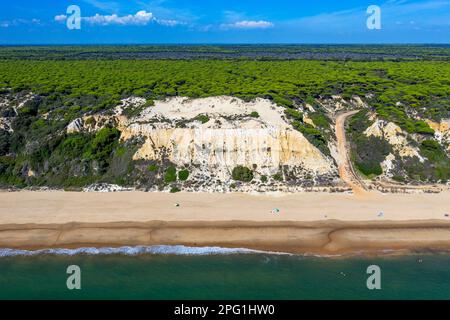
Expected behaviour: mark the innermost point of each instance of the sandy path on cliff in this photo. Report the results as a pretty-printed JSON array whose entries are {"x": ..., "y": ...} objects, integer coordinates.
[{"x": 346, "y": 170}]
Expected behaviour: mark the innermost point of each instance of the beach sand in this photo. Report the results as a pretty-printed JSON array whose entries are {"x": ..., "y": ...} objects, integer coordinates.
[{"x": 318, "y": 223}]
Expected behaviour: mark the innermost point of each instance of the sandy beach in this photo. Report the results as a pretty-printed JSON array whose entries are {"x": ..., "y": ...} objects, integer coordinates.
[{"x": 322, "y": 223}]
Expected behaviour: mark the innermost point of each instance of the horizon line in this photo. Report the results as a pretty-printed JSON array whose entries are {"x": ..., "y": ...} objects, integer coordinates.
[{"x": 231, "y": 43}]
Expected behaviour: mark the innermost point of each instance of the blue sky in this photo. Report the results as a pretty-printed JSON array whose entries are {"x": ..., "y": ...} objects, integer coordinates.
[{"x": 231, "y": 21}]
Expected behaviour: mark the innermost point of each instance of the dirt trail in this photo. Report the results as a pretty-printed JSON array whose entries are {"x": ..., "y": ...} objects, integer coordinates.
[{"x": 346, "y": 170}]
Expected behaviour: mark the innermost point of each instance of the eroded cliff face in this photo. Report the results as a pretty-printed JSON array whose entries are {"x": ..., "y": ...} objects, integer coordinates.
[
  {"x": 212, "y": 136},
  {"x": 402, "y": 149},
  {"x": 442, "y": 132},
  {"x": 266, "y": 149},
  {"x": 393, "y": 134},
  {"x": 409, "y": 154}
]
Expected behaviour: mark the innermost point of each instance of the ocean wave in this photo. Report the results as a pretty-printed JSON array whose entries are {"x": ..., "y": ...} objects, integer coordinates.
[{"x": 137, "y": 250}]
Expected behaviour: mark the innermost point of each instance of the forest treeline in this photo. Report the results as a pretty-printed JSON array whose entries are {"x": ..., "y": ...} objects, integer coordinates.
[
  {"x": 230, "y": 51},
  {"x": 79, "y": 86}
]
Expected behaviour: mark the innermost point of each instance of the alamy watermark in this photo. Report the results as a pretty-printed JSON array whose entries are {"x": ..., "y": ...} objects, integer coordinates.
[
  {"x": 74, "y": 280},
  {"x": 374, "y": 19},
  {"x": 374, "y": 280},
  {"x": 73, "y": 17}
]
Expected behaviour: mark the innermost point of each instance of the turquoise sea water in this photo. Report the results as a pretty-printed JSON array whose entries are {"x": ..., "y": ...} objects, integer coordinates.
[{"x": 233, "y": 276}]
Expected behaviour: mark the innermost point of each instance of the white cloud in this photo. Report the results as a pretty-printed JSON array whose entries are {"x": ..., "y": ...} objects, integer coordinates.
[
  {"x": 248, "y": 24},
  {"x": 169, "y": 23},
  {"x": 140, "y": 18},
  {"x": 60, "y": 18},
  {"x": 19, "y": 22}
]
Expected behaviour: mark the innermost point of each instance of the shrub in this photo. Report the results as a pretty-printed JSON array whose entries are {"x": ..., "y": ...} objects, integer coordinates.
[
  {"x": 39, "y": 124},
  {"x": 278, "y": 176},
  {"x": 103, "y": 144},
  {"x": 254, "y": 114},
  {"x": 310, "y": 100},
  {"x": 171, "y": 175},
  {"x": 30, "y": 108},
  {"x": 432, "y": 150},
  {"x": 183, "y": 175},
  {"x": 73, "y": 145},
  {"x": 4, "y": 142},
  {"x": 369, "y": 168},
  {"x": 282, "y": 101},
  {"x": 358, "y": 123},
  {"x": 398, "y": 178},
  {"x": 133, "y": 111},
  {"x": 320, "y": 120},
  {"x": 153, "y": 168},
  {"x": 6, "y": 163},
  {"x": 175, "y": 190},
  {"x": 294, "y": 114},
  {"x": 90, "y": 121},
  {"x": 263, "y": 179},
  {"x": 203, "y": 118},
  {"x": 121, "y": 151},
  {"x": 423, "y": 128},
  {"x": 370, "y": 152},
  {"x": 241, "y": 173}
]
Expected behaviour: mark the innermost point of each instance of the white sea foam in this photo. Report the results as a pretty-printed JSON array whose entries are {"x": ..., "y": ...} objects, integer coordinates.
[{"x": 133, "y": 251}]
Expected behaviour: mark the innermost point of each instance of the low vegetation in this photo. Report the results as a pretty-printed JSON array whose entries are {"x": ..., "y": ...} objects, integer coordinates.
[
  {"x": 241, "y": 173},
  {"x": 367, "y": 152},
  {"x": 183, "y": 175},
  {"x": 170, "y": 175}
]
